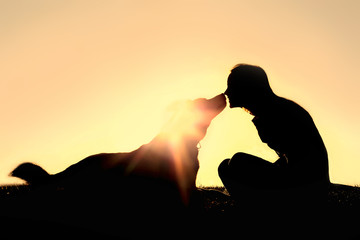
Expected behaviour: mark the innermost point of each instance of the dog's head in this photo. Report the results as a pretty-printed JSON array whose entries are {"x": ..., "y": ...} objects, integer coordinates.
[
  {"x": 191, "y": 119},
  {"x": 173, "y": 153}
]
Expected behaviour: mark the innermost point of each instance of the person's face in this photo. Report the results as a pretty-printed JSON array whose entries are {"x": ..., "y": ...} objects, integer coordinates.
[
  {"x": 234, "y": 94},
  {"x": 231, "y": 94},
  {"x": 240, "y": 93}
]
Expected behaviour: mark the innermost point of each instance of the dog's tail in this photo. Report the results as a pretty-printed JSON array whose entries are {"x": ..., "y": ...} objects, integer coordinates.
[{"x": 31, "y": 173}]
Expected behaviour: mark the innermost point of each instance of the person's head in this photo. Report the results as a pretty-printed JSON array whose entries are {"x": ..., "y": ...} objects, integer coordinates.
[{"x": 247, "y": 85}]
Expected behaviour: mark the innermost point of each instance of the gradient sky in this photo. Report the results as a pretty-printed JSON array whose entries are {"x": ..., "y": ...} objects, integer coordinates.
[{"x": 83, "y": 77}]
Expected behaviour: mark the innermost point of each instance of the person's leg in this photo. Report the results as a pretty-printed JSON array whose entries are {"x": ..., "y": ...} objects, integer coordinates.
[
  {"x": 247, "y": 171},
  {"x": 226, "y": 176}
]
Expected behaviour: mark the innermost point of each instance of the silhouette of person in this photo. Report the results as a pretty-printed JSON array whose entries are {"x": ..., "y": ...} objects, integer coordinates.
[{"x": 286, "y": 128}]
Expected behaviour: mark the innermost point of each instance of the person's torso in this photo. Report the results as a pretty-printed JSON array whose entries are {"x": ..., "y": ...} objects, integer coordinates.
[{"x": 289, "y": 130}]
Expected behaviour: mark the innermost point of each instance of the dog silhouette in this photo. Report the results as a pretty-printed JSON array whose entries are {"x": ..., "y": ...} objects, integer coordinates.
[{"x": 168, "y": 163}]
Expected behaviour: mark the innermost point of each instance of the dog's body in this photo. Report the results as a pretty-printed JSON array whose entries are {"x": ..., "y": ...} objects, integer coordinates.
[{"x": 170, "y": 159}]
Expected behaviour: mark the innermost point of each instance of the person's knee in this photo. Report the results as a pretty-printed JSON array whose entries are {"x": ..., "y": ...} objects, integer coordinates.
[
  {"x": 223, "y": 168},
  {"x": 229, "y": 166},
  {"x": 239, "y": 160},
  {"x": 241, "y": 156}
]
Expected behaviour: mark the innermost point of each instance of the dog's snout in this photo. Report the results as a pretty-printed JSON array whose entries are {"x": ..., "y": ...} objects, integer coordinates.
[{"x": 218, "y": 101}]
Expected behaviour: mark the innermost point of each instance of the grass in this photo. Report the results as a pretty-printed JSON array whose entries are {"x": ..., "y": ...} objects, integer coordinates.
[
  {"x": 217, "y": 198},
  {"x": 344, "y": 196},
  {"x": 220, "y": 216}
]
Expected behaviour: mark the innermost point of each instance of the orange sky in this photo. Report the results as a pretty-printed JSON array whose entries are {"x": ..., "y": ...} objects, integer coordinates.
[{"x": 83, "y": 77}]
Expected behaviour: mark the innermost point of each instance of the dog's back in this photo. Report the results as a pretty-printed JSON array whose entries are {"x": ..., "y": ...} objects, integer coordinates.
[{"x": 145, "y": 172}]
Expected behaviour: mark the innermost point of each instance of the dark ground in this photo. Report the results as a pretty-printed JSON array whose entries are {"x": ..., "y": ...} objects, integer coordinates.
[{"x": 212, "y": 215}]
